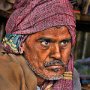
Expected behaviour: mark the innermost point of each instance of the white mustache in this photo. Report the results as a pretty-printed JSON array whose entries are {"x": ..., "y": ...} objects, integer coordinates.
[{"x": 54, "y": 62}]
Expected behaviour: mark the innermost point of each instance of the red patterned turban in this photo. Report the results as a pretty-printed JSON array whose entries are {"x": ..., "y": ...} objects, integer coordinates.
[{"x": 31, "y": 16}]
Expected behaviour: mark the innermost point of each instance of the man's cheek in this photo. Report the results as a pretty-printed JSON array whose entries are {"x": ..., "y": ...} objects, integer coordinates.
[{"x": 66, "y": 59}]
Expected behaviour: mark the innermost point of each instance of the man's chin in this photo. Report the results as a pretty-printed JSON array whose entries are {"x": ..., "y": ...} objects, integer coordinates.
[{"x": 54, "y": 76}]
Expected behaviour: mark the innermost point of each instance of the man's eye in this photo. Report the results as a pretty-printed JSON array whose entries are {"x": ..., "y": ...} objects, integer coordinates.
[
  {"x": 64, "y": 43},
  {"x": 45, "y": 43}
]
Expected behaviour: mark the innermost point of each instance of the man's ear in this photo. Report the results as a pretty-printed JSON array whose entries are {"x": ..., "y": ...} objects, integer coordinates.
[{"x": 22, "y": 47}]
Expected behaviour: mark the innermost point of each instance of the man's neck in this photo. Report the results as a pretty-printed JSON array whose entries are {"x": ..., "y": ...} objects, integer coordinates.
[{"x": 40, "y": 81}]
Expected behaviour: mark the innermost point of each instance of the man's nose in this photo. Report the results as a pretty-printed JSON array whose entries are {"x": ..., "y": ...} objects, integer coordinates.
[{"x": 55, "y": 52}]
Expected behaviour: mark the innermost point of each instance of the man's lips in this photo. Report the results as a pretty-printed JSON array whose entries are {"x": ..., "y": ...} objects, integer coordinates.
[{"x": 55, "y": 66}]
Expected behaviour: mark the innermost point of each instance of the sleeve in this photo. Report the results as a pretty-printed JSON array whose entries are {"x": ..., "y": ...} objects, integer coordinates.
[{"x": 11, "y": 76}]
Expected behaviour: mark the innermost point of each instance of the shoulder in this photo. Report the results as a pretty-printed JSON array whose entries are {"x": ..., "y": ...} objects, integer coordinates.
[
  {"x": 10, "y": 72},
  {"x": 9, "y": 64},
  {"x": 8, "y": 61},
  {"x": 15, "y": 72}
]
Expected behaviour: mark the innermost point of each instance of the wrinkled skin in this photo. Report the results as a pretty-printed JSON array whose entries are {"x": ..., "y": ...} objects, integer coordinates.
[{"x": 45, "y": 49}]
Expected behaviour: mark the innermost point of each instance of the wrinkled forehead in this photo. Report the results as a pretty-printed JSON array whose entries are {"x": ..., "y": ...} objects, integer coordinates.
[
  {"x": 57, "y": 30},
  {"x": 53, "y": 33}
]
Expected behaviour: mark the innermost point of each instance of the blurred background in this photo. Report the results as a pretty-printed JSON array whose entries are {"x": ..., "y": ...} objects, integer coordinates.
[{"x": 82, "y": 49}]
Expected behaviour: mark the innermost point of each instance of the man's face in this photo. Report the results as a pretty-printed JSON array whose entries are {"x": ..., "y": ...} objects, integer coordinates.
[{"x": 48, "y": 52}]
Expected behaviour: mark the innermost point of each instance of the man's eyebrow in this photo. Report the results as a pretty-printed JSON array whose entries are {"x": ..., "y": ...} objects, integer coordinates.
[
  {"x": 50, "y": 39},
  {"x": 45, "y": 39},
  {"x": 66, "y": 39}
]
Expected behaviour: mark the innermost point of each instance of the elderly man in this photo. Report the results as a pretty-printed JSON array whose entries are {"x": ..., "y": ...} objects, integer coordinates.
[{"x": 37, "y": 47}]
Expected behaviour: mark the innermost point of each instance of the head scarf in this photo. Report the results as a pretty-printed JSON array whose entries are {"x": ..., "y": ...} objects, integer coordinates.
[{"x": 31, "y": 16}]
